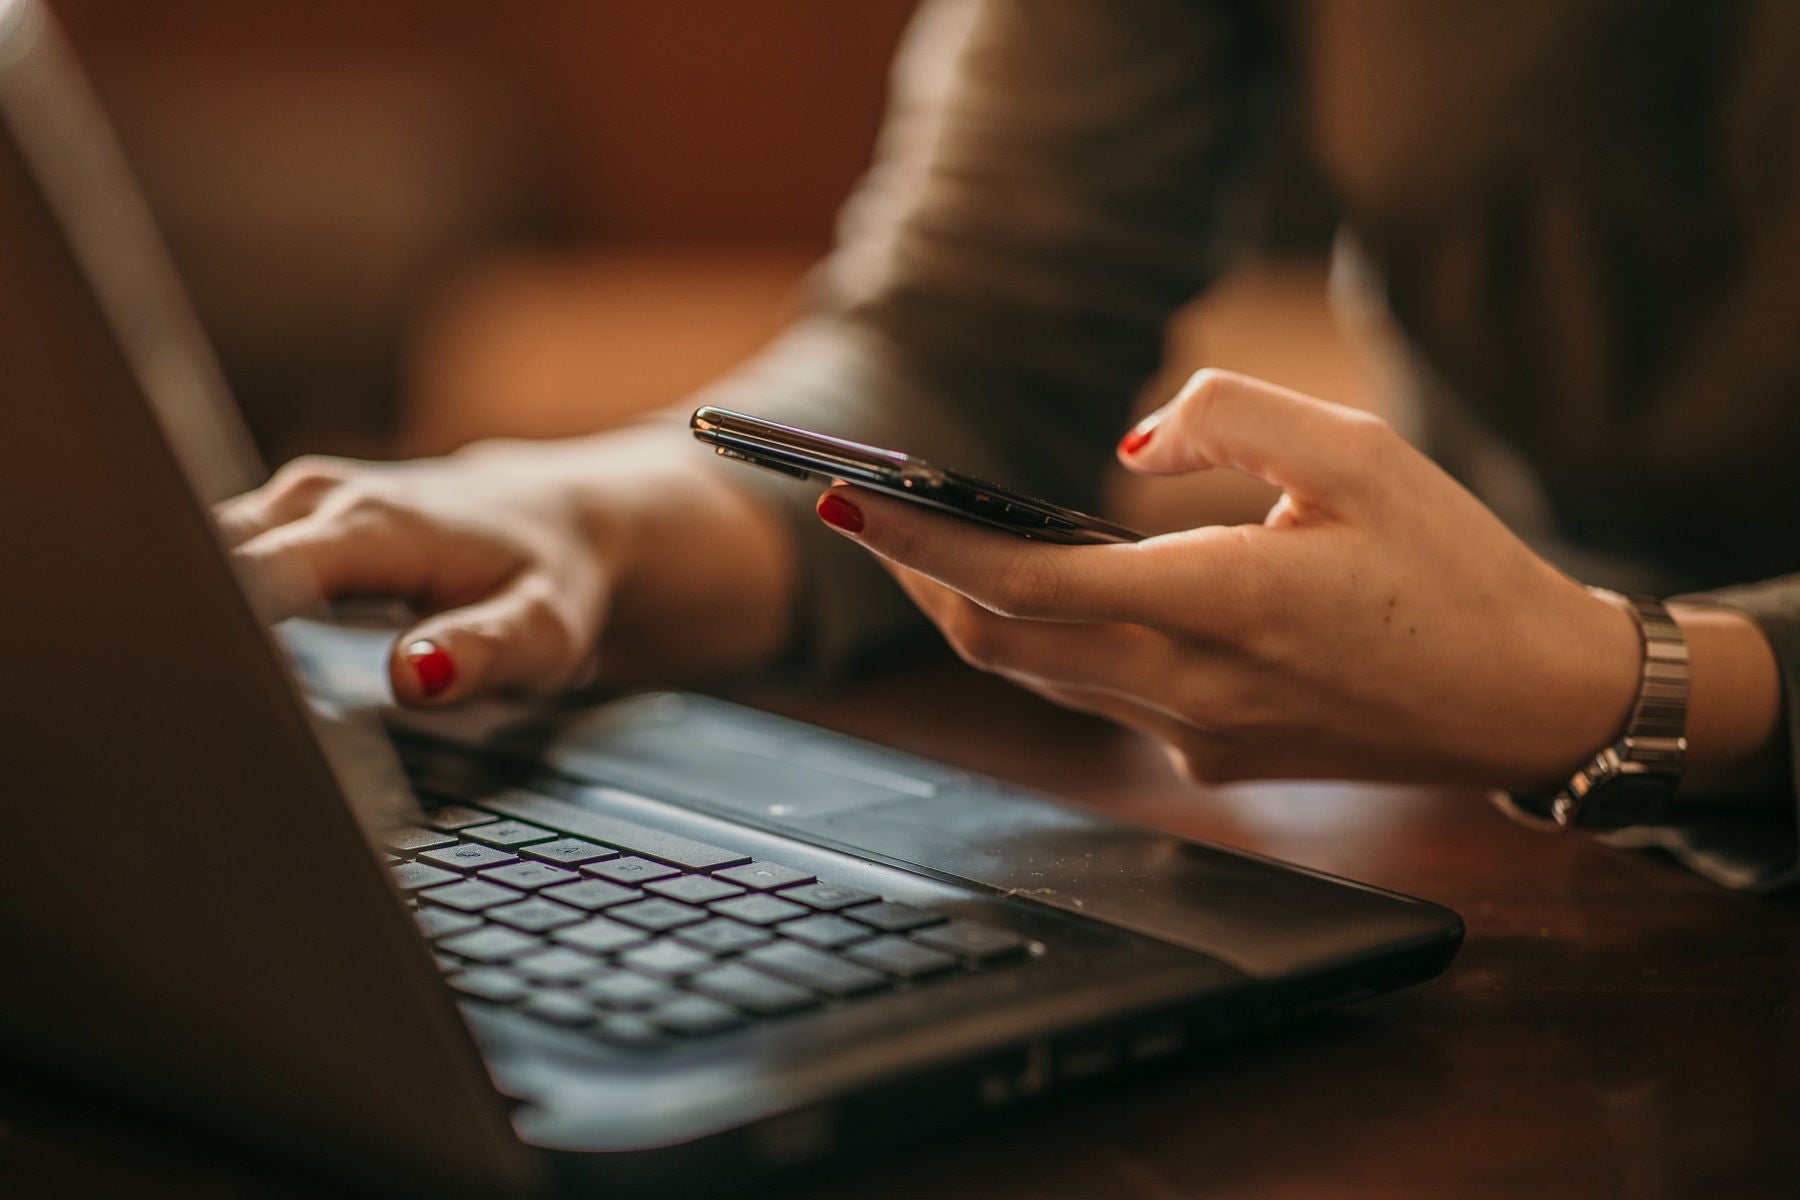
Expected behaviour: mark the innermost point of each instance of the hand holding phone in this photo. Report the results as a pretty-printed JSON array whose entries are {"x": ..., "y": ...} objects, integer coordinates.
[{"x": 808, "y": 455}]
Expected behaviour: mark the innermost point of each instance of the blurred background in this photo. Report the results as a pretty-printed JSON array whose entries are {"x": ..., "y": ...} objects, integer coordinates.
[{"x": 410, "y": 225}]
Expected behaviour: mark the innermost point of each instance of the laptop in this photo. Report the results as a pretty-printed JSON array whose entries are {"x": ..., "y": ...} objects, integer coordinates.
[{"x": 657, "y": 943}]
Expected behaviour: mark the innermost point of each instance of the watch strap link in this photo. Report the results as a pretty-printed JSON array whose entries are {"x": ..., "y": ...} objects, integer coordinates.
[
  {"x": 1658, "y": 725},
  {"x": 1654, "y": 744}
]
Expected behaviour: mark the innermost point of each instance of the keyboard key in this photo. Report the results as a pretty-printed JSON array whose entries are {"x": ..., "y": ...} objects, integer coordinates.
[
  {"x": 562, "y": 1008},
  {"x": 568, "y": 852},
  {"x": 591, "y": 895},
  {"x": 599, "y": 936},
  {"x": 624, "y": 835},
  {"x": 557, "y": 966},
  {"x": 665, "y": 960},
  {"x": 453, "y": 817},
  {"x": 897, "y": 956},
  {"x": 827, "y": 897},
  {"x": 825, "y": 931},
  {"x": 694, "y": 889},
  {"x": 764, "y": 876},
  {"x": 721, "y": 936},
  {"x": 695, "y": 1016},
  {"x": 752, "y": 991},
  {"x": 408, "y": 840},
  {"x": 758, "y": 909},
  {"x": 470, "y": 896},
  {"x": 535, "y": 915},
  {"x": 529, "y": 876},
  {"x": 487, "y": 984},
  {"x": 630, "y": 870},
  {"x": 508, "y": 834},
  {"x": 628, "y": 1031},
  {"x": 490, "y": 945},
  {"x": 442, "y": 922},
  {"x": 815, "y": 969},
  {"x": 466, "y": 856},
  {"x": 892, "y": 917},
  {"x": 657, "y": 915},
  {"x": 411, "y": 876},
  {"x": 981, "y": 943},
  {"x": 624, "y": 990}
]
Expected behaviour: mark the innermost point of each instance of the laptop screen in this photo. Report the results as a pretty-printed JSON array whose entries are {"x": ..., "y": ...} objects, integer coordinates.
[{"x": 61, "y": 133}]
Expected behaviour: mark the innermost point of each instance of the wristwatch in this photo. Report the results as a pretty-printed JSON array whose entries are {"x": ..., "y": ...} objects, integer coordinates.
[{"x": 1631, "y": 777}]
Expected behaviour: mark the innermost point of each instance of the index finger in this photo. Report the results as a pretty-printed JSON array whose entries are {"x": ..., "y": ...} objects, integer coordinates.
[
  {"x": 294, "y": 569},
  {"x": 1002, "y": 572}
]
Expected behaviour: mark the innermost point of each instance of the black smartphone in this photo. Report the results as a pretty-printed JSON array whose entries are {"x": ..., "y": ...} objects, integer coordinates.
[{"x": 808, "y": 455}]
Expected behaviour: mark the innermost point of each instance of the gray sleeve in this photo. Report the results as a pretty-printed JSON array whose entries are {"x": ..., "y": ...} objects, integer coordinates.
[
  {"x": 1757, "y": 849},
  {"x": 1054, "y": 179}
]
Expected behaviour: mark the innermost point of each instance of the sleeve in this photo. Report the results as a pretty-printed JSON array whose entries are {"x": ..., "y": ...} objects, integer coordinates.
[
  {"x": 1753, "y": 847},
  {"x": 1054, "y": 179}
]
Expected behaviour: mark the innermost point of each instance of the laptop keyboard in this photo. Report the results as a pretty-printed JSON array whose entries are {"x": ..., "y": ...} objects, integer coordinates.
[{"x": 643, "y": 940}]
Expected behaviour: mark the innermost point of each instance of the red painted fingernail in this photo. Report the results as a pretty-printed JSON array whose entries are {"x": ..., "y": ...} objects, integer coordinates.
[
  {"x": 839, "y": 513},
  {"x": 432, "y": 665},
  {"x": 1136, "y": 439}
]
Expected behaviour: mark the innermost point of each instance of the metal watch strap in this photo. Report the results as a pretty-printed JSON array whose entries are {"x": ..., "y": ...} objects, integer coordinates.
[{"x": 1654, "y": 744}]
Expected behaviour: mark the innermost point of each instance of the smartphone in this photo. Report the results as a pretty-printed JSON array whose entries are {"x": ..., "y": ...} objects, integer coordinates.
[{"x": 808, "y": 455}]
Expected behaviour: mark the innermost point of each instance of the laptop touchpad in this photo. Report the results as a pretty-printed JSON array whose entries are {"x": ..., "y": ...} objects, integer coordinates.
[{"x": 770, "y": 768}]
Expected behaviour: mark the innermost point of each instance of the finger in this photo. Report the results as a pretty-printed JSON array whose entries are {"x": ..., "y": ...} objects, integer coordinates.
[
  {"x": 992, "y": 649},
  {"x": 297, "y": 567},
  {"x": 524, "y": 639},
  {"x": 293, "y": 492},
  {"x": 1309, "y": 447},
  {"x": 1121, "y": 658},
  {"x": 1115, "y": 708},
  {"x": 240, "y": 519},
  {"x": 1000, "y": 571}
]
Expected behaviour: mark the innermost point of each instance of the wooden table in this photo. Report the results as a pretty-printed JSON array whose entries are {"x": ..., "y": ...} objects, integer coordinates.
[{"x": 1613, "y": 1027}]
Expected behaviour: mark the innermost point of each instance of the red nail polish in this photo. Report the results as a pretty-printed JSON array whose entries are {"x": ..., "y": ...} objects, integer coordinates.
[
  {"x": 432, "y": 665},
  {"x": 1136, "y": 439},
  {"x": 838, "y": 512}
]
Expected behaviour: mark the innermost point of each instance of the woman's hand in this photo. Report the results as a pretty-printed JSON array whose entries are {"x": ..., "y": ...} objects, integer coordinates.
[
  {"x": 538, "y": 565},
  {"x": 1380, "y": 624}
]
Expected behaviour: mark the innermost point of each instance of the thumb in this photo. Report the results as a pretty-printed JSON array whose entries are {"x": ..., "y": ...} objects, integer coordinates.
[
  {"x": 1307, "y": 447},
  {"x": 524, "y": 638}
]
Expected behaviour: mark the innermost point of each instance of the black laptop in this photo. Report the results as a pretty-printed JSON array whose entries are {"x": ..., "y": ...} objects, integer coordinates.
[{"x": 652, "y": 944}]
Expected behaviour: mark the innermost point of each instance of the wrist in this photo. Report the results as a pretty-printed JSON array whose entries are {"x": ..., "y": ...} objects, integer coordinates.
[
  {"x": 1734, "y": 731},
  {"x": 1586, "y": 698}
]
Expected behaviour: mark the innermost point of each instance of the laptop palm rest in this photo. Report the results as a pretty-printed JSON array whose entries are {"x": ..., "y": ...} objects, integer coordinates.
[{"x": 1263, "y": 918}]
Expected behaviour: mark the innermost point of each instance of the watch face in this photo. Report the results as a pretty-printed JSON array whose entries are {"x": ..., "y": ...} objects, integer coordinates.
[{"x": 1623, "y": 799}]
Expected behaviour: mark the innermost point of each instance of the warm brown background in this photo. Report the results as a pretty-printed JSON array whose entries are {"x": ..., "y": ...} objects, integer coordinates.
[
  {"x": 408, "y": 225},
  {"x": 337, "y": 176}
]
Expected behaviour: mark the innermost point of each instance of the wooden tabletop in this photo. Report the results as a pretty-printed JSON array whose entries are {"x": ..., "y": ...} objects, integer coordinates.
[{"x": 1614, "y": 1025}]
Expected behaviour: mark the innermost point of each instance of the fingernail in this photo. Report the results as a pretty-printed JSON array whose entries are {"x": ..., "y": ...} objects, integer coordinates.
[
  {"x": 839, "y": 513},
  {"x": 432, "y": 665},
  {"x": 1137, "y": 438}
]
